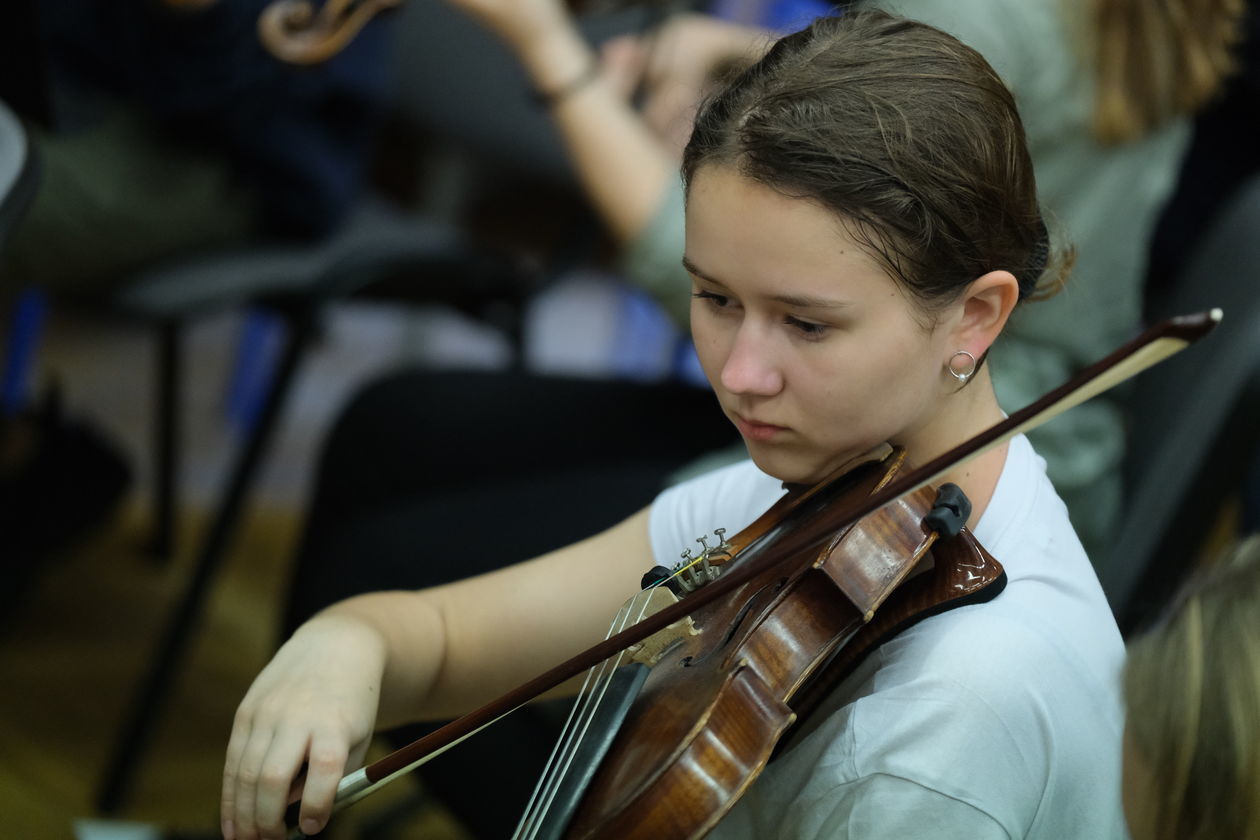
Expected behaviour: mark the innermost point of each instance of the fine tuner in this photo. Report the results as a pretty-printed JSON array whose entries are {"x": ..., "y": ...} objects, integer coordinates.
[{"x": 695, "y": 570}]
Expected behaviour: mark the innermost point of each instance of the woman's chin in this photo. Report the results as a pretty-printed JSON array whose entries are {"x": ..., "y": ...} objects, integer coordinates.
[
  {"x": 787, "y": 469},
  {"x": 800, "y": 467}
]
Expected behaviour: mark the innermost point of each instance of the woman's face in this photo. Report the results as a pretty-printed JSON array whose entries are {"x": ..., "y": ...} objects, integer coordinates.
[{"x": 814, "y": 351}]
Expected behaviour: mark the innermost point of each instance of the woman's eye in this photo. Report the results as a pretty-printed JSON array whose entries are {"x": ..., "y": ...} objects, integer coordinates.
[
  {"x": 718, "y": 301},
  {"x": 806, "y": 328}
]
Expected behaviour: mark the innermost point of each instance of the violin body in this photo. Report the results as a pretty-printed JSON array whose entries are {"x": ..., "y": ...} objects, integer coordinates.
[{"x": 719, "y": 700}]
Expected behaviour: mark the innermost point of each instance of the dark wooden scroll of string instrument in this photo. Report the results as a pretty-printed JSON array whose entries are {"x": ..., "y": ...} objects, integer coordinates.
[
  {"x": 295, "y": 32},
  {"x": 774, "y": 619}
]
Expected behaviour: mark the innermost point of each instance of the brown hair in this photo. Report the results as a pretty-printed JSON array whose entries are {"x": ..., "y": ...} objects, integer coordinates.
[
  {"x": 1157, "y": 59},
  {"x": 904, "y": 132},
  {"x": 1192, "y": 686}
]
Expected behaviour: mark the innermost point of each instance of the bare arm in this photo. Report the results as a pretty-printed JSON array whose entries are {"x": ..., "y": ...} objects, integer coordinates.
[
  {"x": 392, "y": 657},
  {"x": 501, "y": 629}
]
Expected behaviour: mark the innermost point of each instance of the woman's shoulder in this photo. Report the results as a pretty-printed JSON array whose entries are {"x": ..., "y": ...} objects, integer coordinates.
[
  {"x": 995, "y": 657},
  {"x": 985, "y": 708}
]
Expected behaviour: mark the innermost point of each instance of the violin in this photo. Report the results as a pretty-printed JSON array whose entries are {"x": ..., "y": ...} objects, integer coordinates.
[
  {"x": 696, "y": 693},
  {"x": 712, "y": 696}
]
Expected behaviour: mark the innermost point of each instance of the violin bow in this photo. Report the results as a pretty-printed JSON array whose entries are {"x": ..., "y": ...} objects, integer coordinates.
[{"x": 1148, "y": 349}]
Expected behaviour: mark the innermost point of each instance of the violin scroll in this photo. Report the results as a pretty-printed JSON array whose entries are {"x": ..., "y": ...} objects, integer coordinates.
[{"x": 295, "y": 33}]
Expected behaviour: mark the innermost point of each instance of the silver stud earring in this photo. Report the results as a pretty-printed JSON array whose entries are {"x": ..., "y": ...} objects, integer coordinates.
[{"x": 965, "y": 374}]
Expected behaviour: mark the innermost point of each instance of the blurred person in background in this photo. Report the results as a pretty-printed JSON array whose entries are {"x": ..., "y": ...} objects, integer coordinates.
[
  {"x": 170, "y": 129},
  {"x": 1192, "y": 687}
]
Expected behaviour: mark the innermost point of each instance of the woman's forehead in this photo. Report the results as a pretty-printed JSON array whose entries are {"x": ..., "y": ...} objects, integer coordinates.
[
  {"x": 734, "y": 205},
  {"x": 737, "y": 226}
]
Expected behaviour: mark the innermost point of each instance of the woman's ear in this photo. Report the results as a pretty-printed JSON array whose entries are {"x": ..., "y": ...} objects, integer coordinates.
[{"x": 986, "y": 306}]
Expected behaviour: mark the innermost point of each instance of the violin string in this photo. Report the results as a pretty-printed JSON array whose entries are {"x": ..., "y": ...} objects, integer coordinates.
[
  {"x": 580, "y": 720},
  {"x": 611, "y": 666},
  {"x": 591, "y": 703},
  {"x": 535, "y": 809},
  {"x": 544, "y": 792},
  {"x": 583, "y": 711}
]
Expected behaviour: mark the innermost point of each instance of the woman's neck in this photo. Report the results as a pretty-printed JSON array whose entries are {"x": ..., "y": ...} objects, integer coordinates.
[{"x": 964, "y": 415}]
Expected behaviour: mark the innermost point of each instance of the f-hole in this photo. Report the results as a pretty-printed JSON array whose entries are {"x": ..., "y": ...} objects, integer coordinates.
[{"x": 740, "y": 618}]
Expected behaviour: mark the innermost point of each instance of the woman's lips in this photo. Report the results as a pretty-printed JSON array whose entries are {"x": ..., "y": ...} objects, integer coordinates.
[{"x": 754, "y": 430}]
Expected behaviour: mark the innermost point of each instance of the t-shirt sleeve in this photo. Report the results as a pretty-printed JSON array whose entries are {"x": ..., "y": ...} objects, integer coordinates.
[
  {"x": 653, "y": 260},
  {"x": 880, "y": 807}
]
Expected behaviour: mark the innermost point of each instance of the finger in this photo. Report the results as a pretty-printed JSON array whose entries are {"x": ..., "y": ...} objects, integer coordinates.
[
  {"x": 277, "y": 770},
  {"x": 327, "y": 762},
  {"x": 622, "y": 62},
  {"x": 241, "y": 729},
  {"x": 245, "y": 792}
]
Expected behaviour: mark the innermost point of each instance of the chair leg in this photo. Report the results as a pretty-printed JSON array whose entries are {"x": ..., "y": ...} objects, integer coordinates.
[
  {"x": 166, "y": 438},
  {"x": 148, "y": 702}
]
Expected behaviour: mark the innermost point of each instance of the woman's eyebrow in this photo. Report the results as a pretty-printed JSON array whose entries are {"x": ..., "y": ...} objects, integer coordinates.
[
  {"x": 809, "y": 302},
  {"x": 793, "y": 300},
  {"x": 691, "y": 269}
]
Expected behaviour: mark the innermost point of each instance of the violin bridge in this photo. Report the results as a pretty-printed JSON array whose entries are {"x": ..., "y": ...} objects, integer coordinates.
[{"x": 650, "y": 650}]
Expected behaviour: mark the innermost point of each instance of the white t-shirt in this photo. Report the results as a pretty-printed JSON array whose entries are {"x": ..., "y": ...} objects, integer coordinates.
[{"x": 993, "y": 720}]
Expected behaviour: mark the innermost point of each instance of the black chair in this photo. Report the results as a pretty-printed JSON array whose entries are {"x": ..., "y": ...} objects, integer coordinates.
[
  {"x": 1195, "y": 420},
  {"x": 470, "y": 98}
]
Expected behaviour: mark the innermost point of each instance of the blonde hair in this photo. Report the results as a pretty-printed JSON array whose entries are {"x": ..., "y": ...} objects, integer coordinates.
[
  {"x": 1157, "y": 59},
  {"x": 1192, "y": 686}
]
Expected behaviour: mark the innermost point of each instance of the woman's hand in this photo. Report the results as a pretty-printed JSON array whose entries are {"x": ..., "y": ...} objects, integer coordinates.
[
  {"x": 675, "y": 66},
  {"x": 312, "y": 709}
]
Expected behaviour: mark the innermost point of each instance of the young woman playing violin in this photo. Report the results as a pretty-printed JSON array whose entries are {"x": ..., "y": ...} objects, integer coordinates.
[{"x": 861, "y": 222}]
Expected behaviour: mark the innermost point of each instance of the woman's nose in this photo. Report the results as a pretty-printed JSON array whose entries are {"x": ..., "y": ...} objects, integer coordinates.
[{"x": 751, "y": 367}]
